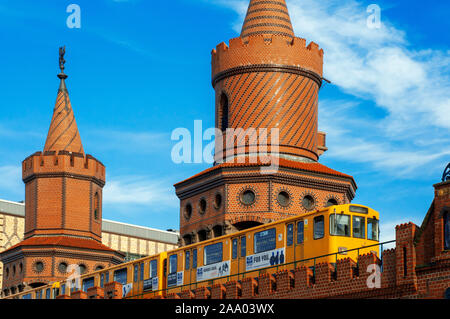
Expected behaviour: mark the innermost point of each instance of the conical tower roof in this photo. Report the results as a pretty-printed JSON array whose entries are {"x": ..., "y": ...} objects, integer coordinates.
[
  {"x": 63, "y": 134},
  {"x": 267, "y": 18}
]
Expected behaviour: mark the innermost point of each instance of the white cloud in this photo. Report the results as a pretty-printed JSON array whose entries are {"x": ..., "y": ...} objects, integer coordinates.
[
  {"x": 144, "y": 191},
  {"x": 382, "y": 71}
]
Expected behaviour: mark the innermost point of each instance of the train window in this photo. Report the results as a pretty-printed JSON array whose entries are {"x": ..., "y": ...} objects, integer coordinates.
[
  {"x": 39, "y": 294},
  {"x": 373, "y": 232},
  {"x": 63, "y": 289},
  {"x": 213, "y": 254},
  {"x": 153, "y": 268},
  {"x": 121, "y": 276},
  {"x": 27, "y": 296},
  {"x": 300, "y": 232},
  {"x": 88, "y": 283},
  {"x": 102, "y": 280},
  {"x": 359, "y": 209},
  {"x": 265, "y": 240},
  {"x": 107, "y": 277},
  {"x": 243, "y": 246},
  {"x": 173, "y": 263},
  {"x": 319, "y": 227},
  {"x": 359, "y": 227},
  {"x": 136, "y": 273},
  {"x": 187, "y": 260},
  {"x": 142, "y": 272},
  {"x": 47, "y": 293},
  {"x": 340, "y": 225},
  {"x": 194, "y": 258},
  {"x": 234, "y": 252},
  {"x": 290, "y": 235}
]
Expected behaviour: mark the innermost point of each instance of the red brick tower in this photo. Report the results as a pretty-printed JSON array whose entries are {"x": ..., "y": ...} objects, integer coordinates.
[
  {"x": 63, "y": 207},
  {"x": 266, "y": 79}
]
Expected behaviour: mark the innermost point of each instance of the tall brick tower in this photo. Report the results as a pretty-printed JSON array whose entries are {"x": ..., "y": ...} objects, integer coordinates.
[
  {"x": 265, "y": 80},
  {"x": 63, "y": 206}
]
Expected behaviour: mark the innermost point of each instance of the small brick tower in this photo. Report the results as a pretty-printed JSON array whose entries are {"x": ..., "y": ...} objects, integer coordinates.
[
  {"x": 267, "y": 83},
  {"x": 63, "y": 207}
]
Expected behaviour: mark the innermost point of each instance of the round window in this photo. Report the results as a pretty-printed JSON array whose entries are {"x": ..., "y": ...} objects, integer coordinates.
[
  {"x": 202, "y": 206},
  {"x": 188, "y": 211},
  {"x": 39, "y": 266},
  {"x": 308, "y": 202},
  {"x": 284, "y": 198},
  {"x": 98, "y": 268},
  {"x": 248, "y": 197},
  {"x": 217, "y": 201},
  {"x": 62, "y": 267}
]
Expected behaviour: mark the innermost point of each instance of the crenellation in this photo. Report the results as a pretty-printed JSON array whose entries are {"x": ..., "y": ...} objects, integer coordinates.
[
  {"x": 65, "y": 162},
  {"x": 257, "y": 51}
]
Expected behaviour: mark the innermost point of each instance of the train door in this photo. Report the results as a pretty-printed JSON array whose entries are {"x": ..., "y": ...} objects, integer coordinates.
[
  {"x": 299, "y": 240},
  {"x": 290, "y": 248},
  {"x": 188, "y": 267},
  {"x": 235, "y": 269}
]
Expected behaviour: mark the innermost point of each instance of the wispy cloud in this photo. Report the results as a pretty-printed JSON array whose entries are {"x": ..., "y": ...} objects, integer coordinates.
[
  {"x": 144, "y": 191},
  {"x": 11, "y": 180},
  {"x": 377, "y": 69}
]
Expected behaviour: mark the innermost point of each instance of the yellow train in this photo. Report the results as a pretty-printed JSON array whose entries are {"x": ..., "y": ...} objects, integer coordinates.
[{"x": 325, "y": 235}]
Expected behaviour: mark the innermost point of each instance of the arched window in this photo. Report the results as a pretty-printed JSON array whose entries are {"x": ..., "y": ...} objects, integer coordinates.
[
  {"x": 223, "y": 112},
  {"x": 96, "y": 206},
  {"x": 447, "y": 230}
]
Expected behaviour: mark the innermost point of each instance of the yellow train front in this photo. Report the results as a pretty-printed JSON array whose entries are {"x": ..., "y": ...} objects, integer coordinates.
[{"x": 325, "y": 235}]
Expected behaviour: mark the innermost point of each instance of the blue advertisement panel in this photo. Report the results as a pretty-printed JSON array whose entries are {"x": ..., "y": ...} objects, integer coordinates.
[
  {"x": 151, "y": 284},
  {"x": 265, "y": 259},
  {"x": 175, "y": 279},
  {"x": 217, "y": 270}
]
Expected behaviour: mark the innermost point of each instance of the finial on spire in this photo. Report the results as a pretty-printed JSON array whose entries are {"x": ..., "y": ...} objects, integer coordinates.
[{"x": 62, "y": 75}]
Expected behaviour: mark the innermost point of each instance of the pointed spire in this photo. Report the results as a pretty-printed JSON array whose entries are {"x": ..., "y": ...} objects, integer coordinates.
[
  {"x": 63, "y": 134},
  {"x": 267, "y": 18}
]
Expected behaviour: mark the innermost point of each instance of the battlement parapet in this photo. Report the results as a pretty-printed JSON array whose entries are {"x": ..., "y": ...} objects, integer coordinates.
[
  {"x": 280, "y": 51},
  {"x": 62, "y": 162}
]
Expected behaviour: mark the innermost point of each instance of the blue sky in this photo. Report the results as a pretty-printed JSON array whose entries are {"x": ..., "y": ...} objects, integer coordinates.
[{"x": 140, "y": 69}]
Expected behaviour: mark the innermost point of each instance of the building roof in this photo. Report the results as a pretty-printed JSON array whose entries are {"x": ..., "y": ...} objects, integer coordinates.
[
  {"x": 267, "y": 18},
  {"x": 62, "y": 241},
  {"x": 63, "y": 133},
  {"x": 306, "y": 167},
  {"x": 109, "y": 226}
]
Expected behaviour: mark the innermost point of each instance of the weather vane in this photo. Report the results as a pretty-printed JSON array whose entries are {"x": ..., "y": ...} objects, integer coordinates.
[
  {"x": 446, "y": 175},
  {"x": 62, "y": 51}
]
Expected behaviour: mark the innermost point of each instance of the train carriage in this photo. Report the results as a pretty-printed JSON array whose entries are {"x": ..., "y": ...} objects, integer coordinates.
[{"x": 326, "y": 235}]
